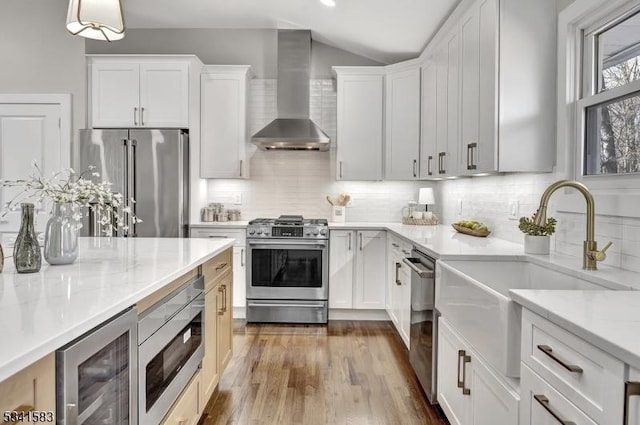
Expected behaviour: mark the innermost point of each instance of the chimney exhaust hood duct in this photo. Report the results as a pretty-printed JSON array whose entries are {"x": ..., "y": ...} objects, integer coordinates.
[{"x": 293, "y": 130}]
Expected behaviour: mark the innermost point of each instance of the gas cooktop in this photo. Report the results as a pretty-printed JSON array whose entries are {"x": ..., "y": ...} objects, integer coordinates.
[{"x": 288, "y": 226}]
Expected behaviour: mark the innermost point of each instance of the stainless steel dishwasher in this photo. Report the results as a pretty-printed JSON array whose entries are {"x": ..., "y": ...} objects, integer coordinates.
[{"x": 424, "y": 321}]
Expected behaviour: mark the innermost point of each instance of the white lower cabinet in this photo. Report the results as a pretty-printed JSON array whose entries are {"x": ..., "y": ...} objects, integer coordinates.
[
  {"x": 468, "y": 391},
  {"x": 239, "y": 277},
  {"x": 632, "y": 403},
  {"x": 399, "y": 288},
  {"x": 357, "y": 269}
]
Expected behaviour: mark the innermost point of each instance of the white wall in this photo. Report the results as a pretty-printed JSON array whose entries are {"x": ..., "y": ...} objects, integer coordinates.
[
  {"x": 38, "y": 55},
  {"x": 285, "y": 182}
]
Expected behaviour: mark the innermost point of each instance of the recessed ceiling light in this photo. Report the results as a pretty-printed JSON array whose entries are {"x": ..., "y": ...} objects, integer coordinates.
[{"x": 328, "y": 3}]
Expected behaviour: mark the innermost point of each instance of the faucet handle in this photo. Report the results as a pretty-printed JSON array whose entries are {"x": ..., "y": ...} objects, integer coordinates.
[{"x": 602, "y": 254}]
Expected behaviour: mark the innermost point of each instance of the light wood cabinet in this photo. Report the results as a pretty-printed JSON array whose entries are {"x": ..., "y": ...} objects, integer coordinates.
[
  {"x": 360, "y": 121},
  {"x": 218, "y": 314},
  {"x": 188, "y": 408},
  {"x": 33, "y": 388},
  {"x": 356, "y": 272},
  {"x": 224, "y": 149},
  {"x": 139, "y": 92},
  {"x": 469, "y": 392},
  {"x": 402, "y": 110}
]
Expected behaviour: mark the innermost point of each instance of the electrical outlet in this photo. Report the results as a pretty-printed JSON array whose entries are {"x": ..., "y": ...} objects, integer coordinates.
[
  {"x": 237, "y": 198},
  {"x": 459, "y": 207},
  {"x": 514, "y": 207}
]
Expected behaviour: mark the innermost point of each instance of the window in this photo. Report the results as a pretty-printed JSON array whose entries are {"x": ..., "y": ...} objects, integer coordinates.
[{"x": 610, "y": 102}]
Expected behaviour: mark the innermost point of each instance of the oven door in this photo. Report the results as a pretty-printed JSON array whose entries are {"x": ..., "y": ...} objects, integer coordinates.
[
  {"x": 168, "y": 359},
  {"x": 284, "y": 269}
]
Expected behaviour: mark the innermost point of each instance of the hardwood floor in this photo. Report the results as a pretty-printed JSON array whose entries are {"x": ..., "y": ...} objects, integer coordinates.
[{"x": 345, "y": 373}]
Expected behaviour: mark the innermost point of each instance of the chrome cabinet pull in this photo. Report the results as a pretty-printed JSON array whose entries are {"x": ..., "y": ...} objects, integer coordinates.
[
  {"x": 242, "y": 257},
  {"x": 142, "y": 116},
  {"x": 340, "y": 169},
  {"x": 360, "y": 234},
  {"x": 631, "y": 389},
  {"x": 398, "y": 282},
  {"x": 135, "y": 116},
  {"x": 240, "y": 168},
  {"x": 415, "y": 170},
  {"x": 134, "y": 188},
  {"x": 429, "y": 159},
  {"x": 544, "y": 402},
  {"x": 549, "y": 352}
]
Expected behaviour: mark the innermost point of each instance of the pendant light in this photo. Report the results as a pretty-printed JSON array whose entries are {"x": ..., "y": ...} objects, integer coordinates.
[{"x": 96, "y": 19}]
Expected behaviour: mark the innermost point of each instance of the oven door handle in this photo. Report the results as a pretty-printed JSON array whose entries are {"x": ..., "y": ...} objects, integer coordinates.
[
  {"x": 293, "y": 244},
  {"x": 311, "y": 305}
]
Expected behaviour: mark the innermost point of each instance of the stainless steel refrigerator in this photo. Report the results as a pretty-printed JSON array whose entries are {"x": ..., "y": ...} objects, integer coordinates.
[{"x": 148, "y": 166}]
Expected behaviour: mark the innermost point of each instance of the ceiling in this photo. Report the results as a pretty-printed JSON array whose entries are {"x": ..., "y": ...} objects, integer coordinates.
[{"x": 384, "y": 30}]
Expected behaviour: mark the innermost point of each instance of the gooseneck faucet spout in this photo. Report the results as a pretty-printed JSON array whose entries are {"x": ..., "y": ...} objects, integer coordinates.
[{"x": 591, "y": 255}]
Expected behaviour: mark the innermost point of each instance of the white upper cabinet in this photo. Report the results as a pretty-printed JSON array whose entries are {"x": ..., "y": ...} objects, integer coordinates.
[
  {"x": 223, "y": 122},
  {"x": 429, "y": 129},
  {"x": 139, "y": 92},
  {"x": 402, "y": 142},
  {"x": 496, "y": 107},
  {"x": 360, "y": 122}
]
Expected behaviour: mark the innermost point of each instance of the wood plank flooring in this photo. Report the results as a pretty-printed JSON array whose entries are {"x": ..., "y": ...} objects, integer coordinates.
[{"x": 355, "y": 373}]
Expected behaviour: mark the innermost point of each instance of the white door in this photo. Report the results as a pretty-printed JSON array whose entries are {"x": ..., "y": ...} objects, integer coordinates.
[
  {"x": 402, "y": 125},
  {"x": 164, "y": 95},
  {"x": 360, "y": 121},
  {"x": 450, "y": 364},
  {"x": 370, "y": 269},
  {"x": 30, "y": 132},
  {"x": 223, "y": 125},
  {"x": 491, "y": 402},
  {"x": 428, "y": 145},
  {"x": 341, "y": 268},
  {"x": 239, "y": 277},
  {"x": 469, "y": 88},
  {"x": 115, "y": 95},
  {"x": 453, "y": 78}
]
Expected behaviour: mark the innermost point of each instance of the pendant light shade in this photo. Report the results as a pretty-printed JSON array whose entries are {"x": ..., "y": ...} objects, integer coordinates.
[{"x": 96, "y": 19}]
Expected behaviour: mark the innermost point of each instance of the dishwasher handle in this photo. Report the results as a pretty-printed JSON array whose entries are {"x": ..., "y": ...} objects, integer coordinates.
[{"x": 419, "y": 268}]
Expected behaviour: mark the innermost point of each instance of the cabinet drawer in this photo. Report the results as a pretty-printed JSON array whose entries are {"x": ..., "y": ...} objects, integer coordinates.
[
  {"x": 237, "y": 234},
  {"x": 543, "y": 405},
  {"x": 216, "y": 268},
  {"x": 33, "y": 388},
  {"x": 186, "y": 411},
  {"x": 590, "y": 378}
]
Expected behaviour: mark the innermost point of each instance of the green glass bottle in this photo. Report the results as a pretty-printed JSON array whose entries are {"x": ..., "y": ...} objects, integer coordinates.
[{"x": 26, "y": 252}]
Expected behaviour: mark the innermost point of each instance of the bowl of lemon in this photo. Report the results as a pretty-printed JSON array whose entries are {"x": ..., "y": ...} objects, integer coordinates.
[{"x": 472, "y": 227}]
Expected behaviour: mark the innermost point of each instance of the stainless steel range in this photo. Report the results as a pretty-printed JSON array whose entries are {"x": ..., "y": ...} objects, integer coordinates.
[{"x": 288, "y": 273}]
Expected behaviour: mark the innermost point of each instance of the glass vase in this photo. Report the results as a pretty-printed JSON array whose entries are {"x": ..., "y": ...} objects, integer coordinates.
[
  {"x": 26, "y": 251},
  {"x": 61, "y": 235}
]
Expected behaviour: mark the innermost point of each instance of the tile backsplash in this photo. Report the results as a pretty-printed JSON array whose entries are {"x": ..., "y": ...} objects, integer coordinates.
[
  {"x": 285, "y": 182},
  {"x": 487, "y": 199}
]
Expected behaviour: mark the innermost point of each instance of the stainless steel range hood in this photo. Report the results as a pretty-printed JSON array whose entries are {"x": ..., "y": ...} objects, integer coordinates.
[{"x": 293, "y": 130}]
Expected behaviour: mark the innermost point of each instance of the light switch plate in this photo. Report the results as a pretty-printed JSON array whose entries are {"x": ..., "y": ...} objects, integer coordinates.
[
  {"x": 514, "y": 207},
  {"x": 459, "y": 207},
  {"x": 237, "y": 198}
]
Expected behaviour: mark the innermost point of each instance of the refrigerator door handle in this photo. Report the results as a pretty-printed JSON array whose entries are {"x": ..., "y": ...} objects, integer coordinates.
[
  {"x": 132, "y": 188},
  {"x": 125, "y": 178}
]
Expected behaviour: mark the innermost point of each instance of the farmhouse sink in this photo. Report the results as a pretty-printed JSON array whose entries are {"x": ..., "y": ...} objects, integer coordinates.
[{"x": 474, "y": 297}]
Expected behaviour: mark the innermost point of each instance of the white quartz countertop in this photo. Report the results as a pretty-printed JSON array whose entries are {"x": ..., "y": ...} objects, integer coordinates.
[
  {"x": 43, "y": 311},
  {"x": 610, "y": 320}
]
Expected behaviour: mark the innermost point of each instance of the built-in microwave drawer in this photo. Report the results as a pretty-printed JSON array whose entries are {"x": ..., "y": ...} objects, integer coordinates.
[{"x": 590, "y": 378}]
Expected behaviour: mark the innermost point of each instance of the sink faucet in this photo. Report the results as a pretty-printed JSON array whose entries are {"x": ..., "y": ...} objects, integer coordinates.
[{"x": 591, "y": 255}]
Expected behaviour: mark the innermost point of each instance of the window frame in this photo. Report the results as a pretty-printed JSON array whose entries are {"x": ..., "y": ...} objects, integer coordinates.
[{"x": 580, "y": 21}]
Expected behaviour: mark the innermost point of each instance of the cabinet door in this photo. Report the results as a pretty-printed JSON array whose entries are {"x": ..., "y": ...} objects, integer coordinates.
[
  {"x": 360, "y": 120},
  {"x": 188, "y": 408},
  {"x": 115, "y": 95},
  {"x": 370, "y": 269},
  {"x": 164, "y": 95},
  {"x": 405, "y": 305},
  {"x": 454, "y": 403},
  {"x": 225, "y": 322},
  {"x": 633, "y": 397},
  {"x": 223, "y": 125},
  {"x": 491, "y": 402},
  {"x": 429, "y": 135},
  {"x": 341, "y": 268},
  {"x": 210, "y": 374},
  {"x": 450, "y": 160},
  {"x": 469, "y": 88},
  {"x": 239, "y": 277},
  {"x": 402, "y": 143}
]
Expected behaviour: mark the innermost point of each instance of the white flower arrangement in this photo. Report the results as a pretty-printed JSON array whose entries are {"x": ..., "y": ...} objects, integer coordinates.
[{"x": 66, "y": 186}]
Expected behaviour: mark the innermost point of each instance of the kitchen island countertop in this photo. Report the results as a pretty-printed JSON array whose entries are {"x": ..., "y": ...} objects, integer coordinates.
[{"x": 43, "y": 311}]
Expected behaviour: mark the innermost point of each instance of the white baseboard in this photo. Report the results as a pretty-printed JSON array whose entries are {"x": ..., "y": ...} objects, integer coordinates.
[{"x": 239, "y": 312}]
